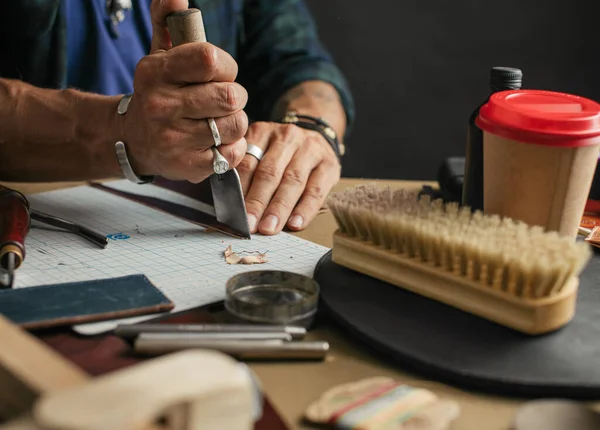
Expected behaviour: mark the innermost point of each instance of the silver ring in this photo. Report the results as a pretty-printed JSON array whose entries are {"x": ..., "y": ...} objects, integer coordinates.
[
  {"x": 255, "y": 151},
  {"x": 215, "y": 131},
  {"x": 220, "y": 164}
]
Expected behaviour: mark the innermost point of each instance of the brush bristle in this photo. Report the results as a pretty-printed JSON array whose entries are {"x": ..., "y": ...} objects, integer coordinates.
[{"x": 499, "y": 253}]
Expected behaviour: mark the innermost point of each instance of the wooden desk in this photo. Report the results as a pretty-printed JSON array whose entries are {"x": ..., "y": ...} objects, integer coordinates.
[{"x": 291, "y": 387}]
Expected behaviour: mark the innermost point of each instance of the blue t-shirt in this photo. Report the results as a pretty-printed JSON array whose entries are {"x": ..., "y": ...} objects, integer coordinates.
[{"x": 102, "y": 57}]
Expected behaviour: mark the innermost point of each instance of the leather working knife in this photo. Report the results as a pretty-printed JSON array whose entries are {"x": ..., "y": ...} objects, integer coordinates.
[{"x": 228, "y": 197}]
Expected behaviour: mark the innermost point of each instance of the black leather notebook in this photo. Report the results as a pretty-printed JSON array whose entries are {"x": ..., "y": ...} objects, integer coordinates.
[{"x": 82, "y": 302}]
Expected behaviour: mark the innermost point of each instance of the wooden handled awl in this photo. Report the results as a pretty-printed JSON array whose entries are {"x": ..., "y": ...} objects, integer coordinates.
[
  {"x": 230, "y": 208},
  {"x": 186, "y": 26},
  {"x": 14, "y": 226}
]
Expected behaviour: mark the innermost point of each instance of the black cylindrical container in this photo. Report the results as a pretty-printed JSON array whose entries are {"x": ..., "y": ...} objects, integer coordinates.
[{"x": 501, "y": 79}]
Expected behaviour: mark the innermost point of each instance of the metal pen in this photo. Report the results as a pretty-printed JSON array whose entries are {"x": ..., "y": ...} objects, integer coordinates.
[
  {"x": 149, "y": 344},
  {"x": 227, "y": 336},
  {"x": 133, "y": 330}
]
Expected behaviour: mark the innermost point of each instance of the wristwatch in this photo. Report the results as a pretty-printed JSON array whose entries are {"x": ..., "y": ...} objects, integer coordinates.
[{"x": 121, "y": 150}]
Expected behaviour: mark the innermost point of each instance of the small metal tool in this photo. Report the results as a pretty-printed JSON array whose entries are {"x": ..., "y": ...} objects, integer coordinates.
[
  {"x": 15, "y": 221},
  {"x": 133, "y": 330},
  {"x": 272, "y": 297},
  {"x": 201, "y": 337},
  {"x": 230, "y": 207},
  {"x": 85, "y": 233},
  {"x": 150, "y": 344}
]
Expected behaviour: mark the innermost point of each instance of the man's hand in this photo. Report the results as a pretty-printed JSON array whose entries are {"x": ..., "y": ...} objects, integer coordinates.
[
  {"x": 175, "y": 90},
  {"x": 291, "y": 182}
]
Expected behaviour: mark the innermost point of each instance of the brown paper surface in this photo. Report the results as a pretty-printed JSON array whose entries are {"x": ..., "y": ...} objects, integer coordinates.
[{"x": 538, "y": 184}]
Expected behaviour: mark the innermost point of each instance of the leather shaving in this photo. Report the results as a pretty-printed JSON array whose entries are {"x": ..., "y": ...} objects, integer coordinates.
[
  {"x": 594, "y": 236},
  {"x": 255, "y": 257}
]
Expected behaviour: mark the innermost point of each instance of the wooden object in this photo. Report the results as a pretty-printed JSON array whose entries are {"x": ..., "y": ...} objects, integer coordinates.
[
  {"x": 179, "y": 391},
  {"x": 194, "y": 389},
  {"x": 352, "y": 359},
  {"x": 29, "y": 369},
  {"x": 102, "y": 354},
  {"x": 186, "y": 26},
  {"x": 530, "y": 316}
]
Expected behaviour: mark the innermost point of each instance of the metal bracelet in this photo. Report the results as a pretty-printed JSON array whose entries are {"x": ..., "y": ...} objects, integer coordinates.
[{"x": 121, "y": 150}]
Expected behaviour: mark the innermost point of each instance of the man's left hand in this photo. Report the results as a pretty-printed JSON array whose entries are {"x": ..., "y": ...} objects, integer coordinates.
[{"x": 289, "y": 185}]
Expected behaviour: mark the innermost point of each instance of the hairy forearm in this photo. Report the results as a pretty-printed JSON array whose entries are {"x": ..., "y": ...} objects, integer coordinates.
[
  {"x": 315, "y": 98},
  {"x": 56, "y": 135}
]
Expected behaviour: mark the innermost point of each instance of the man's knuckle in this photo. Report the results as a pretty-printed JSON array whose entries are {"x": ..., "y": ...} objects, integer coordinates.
[
  {"x": 233, "y": 153},
  {"x": 289, "y": 131},
  {"x": 245, "y": 165},
  {"x": 239, "y": 125},
  {"x": 293, "y": 176},
  {"x": 228, "y": 97},
  {"x": 332, "y": 163},
  {"x": 237, "y": 154},
  {"x": 255, "y": 205},
  {"x": 281, "y": 203},
  {"x": 315, "y": 192},
  {"x": 155, "y": 104},
  {"x": 210, "y": 61},
  {"x": 267, "y": 172},
  {"x": 143, "y": 70},
  {"x": 166, "y": 136}
]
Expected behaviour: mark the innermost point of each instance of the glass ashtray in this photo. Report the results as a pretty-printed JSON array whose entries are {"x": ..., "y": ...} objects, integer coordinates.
[{"x": 272, "y": 297}]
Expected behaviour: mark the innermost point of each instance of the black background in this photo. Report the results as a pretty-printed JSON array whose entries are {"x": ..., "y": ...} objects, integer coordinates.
[{"x": 417, "y": 69}]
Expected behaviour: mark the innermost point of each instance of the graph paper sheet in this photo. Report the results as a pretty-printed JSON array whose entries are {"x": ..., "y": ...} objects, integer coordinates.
[{"x": 183, "y": 260}]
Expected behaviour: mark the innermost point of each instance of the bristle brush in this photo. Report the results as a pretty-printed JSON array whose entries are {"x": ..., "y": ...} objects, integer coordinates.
[{"x": 497, "y": 268}]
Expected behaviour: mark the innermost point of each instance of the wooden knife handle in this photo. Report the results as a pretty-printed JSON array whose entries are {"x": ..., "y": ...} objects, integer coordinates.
[{"x": 186, "y": 26}]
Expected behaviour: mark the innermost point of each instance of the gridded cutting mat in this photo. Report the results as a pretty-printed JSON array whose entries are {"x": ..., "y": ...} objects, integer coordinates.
[{"x": 185, "y": 261}]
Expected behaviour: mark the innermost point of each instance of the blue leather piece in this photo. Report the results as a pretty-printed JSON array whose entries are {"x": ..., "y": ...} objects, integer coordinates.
[{"x": 81, "y": 302}]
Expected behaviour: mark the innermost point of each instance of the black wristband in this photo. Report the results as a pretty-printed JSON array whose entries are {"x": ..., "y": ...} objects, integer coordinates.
[{"x": 320, "y": 127}]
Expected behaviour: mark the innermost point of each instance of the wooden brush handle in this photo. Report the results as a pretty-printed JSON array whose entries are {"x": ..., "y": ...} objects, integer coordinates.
[{"x": 186, "y": 26}]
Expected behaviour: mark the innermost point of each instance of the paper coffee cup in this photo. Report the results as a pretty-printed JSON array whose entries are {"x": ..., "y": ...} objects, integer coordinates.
[{"x": 540, "y": 154}]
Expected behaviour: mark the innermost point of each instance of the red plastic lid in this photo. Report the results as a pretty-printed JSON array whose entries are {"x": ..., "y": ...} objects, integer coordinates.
[{"x": 542, "y": 117}]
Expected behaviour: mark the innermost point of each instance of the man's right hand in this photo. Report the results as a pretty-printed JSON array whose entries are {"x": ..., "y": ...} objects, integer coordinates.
[{"x": 175, "y": 90}]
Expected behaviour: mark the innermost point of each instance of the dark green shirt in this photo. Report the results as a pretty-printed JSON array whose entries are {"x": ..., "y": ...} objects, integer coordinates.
[{"x": 275, "y": 43}]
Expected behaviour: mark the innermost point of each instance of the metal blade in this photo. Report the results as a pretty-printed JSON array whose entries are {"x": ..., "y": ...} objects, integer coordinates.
[
  {"x": 228, "y": 199},
  {"x": 184, "y": 212},
  {"x": 7, "y": 271}
]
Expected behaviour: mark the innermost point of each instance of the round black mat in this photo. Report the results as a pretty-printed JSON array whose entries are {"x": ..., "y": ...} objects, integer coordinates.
[{"x": 450, "y": 345}]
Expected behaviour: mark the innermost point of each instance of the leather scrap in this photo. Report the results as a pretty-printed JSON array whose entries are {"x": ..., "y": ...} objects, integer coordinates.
[{"x": 236, "y": 258}]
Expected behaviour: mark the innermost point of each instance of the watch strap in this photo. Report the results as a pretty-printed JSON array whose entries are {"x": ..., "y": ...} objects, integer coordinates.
[{"x": 320, "y": 126}]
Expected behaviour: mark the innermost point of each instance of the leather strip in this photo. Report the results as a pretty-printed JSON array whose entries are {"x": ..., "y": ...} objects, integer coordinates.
[{"x": 197, "y": 217}]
